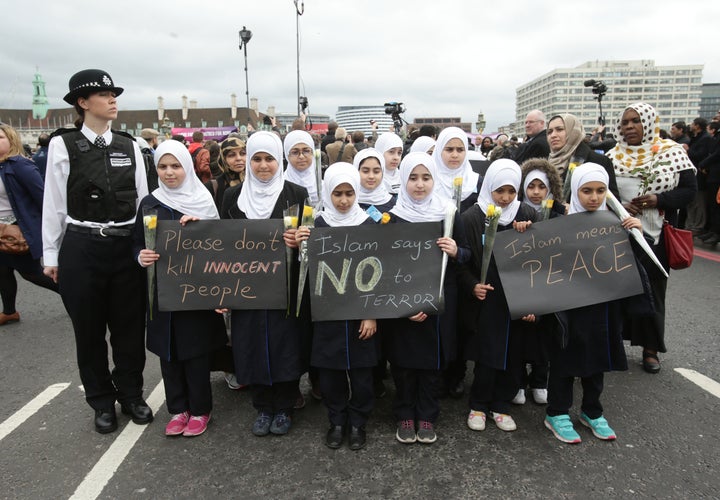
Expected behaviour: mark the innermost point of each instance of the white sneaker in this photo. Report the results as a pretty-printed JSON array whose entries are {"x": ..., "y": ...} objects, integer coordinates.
[
  {"x": 504, "y": 422},
  {"x": 519, "y": 398},
  {"x": 540, "y": 396},
  {"x": 476, "y": 420},
  {"x": 232, "y": 382}
]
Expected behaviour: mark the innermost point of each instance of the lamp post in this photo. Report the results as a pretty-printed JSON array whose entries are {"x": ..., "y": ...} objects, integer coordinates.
[
  {"x": 299, "y": 10},
  {"x": 245, "y": 36}
]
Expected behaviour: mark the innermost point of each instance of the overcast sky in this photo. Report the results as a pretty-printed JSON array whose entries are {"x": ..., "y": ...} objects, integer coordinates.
[{"x": 441, "y": 58}]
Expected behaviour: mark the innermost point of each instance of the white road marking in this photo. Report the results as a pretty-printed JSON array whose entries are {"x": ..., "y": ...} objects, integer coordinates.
[
  {"x": 27, "y": 411},
  {"x": 700, "y": 380},
  {"x": 105, "y": 468}
]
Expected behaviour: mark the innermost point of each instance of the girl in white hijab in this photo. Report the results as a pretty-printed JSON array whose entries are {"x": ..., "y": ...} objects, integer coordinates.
[
  {"x": 300, "y": 153},
  {"x": 594, "y": 334},
  {"x": 370, "y": 164},
  {"x": 262, "y": 185},
  {"x": 183, "y": 340},
  {"x": 421, "y": 346},
  {"x": 451, "y": 160},
  {"x": 390, "y": 145},
  {"x": 423, "y": 144},
  {"x": 344, "y": 351}
]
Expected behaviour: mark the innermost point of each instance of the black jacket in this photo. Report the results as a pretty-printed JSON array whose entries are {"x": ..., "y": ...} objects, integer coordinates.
[{"x": 535, "y": 147}]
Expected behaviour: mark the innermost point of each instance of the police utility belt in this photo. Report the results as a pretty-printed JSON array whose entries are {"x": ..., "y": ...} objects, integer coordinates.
[{"x": 117, "y": 231}]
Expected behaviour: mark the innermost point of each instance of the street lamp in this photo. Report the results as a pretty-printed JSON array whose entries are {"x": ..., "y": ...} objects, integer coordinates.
[
  {"x": 300, "y": 10},
  {"x": 245, "y": 36}
]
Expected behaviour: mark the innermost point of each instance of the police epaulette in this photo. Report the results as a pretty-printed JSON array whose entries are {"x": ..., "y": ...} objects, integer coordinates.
[
  {"x": 124, "y": 134},
  {"x": 63, "y": 130}
]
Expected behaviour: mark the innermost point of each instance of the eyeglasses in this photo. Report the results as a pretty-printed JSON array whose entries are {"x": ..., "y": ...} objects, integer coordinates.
[{"x": 301, "y": 152}]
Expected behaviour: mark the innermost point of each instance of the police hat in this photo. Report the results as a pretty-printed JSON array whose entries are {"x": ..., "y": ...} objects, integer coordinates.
[{"x": 85, "y": 82}]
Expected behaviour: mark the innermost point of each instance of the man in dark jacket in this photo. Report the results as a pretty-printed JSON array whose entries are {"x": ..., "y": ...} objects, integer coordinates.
[
  {"x": 40, "y": 156},
  {"x": 536, "y": 144},
  {"x": 701, "y": 145}
]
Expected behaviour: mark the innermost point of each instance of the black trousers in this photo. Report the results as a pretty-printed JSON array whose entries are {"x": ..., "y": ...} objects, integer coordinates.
[
  {"x": 8, "y": 285},
  {"x": 414, "y": 395},
  {"x": 103, "y": 289},
  {"x": 348, "y": 395},
  {"x": 187, "y": 385},
  {"x": 560, "y": 395},
  {"x": 492, "y": 389},
  {"x": 275, "y": 398}
]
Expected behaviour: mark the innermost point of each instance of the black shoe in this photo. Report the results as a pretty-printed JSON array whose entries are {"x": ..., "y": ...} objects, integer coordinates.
[
  {"x": 380, "y": 391},
  {"x": 334, "y": 438},
  {"x": 139, "y": 411},
  {"x": 714, "y": 239},
  {"x": 357, "y": 438},
  {"x": 705, "y": 235},
  {"x": 457, "y": 391},
  {"x": 105, "y": 420},
  {"x": 651, "y": 363}
]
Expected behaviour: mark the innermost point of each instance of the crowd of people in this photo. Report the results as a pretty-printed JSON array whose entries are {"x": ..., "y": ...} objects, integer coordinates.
[{"x": 85, "y": 212}]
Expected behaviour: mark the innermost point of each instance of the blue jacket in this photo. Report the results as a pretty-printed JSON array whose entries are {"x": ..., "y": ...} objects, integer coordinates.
[{"x": 24, "y": 186}]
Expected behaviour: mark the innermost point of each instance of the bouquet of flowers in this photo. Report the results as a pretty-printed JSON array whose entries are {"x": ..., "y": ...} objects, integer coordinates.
[
  {"x": 491, "y": 223},
  {"x": 308, "y": 220},
  {"x": 546, "y": 207},
  {"x": 290, "y": 221},
  {"x": 150, "y": 225}
]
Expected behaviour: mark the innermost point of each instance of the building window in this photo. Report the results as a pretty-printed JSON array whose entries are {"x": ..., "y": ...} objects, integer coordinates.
[
  {"x": 220, "y": 123},
  {"x": 138, "y": 126},
  {"x": 123, "y": 126}
]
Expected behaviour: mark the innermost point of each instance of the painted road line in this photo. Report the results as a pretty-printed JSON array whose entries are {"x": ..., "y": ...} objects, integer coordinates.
[
  {"x": 105, "y": 468},
  {"x": 700, "y": 380},
  {"x": 27, "y": 411},
  {"x": 707, "y": 255}
]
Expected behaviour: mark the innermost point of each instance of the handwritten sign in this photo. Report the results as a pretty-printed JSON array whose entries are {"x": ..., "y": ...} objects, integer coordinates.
[
  {"x": 375, "y": 271},
  {"x": 234, "y": 264},
  {"x": 565, "y": 263}
]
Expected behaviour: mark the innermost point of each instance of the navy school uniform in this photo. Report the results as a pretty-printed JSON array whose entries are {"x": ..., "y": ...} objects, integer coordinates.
[
  {"x": 339, "y": 355},
  {"x": 183, "y": 340},
  {"x": 418, "y": 351},
  {"x": 494, "y": 342},
  {"x": 270, "y": 346}
]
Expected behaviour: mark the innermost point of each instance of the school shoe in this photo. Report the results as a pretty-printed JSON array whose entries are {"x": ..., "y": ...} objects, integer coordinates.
[
  {"x": 280, "y": 423},
  {"x": 539, "y": 396},
  {"x": 177, "y": 424},
  {"x": 106, "y": 420},
  {"x": 476, "y": 420},
  {"x": 9, "y": 318},
  {"x": 562, "y": 428},
  {"x": 504, "y": 422},
  {"x": 426, "y": 432},
  {"x": 357, "y": 438},
  {"x": 519, "y": 398},
  {"x": 599, "y": 427},
  {"x": 651, "y": 362},
  {"x": 713, "y": 240},
  {"x": 139, "y": 412},
  {"x": 261, "y": 426},
  {"x": 196, "y": 425},
  {"x": 299, "y": 401},
  {"x": 334, "y": 436},
  {"x": 406, "y": 431}
]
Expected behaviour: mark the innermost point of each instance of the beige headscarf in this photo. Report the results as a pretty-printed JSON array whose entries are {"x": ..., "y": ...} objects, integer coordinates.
[{"x": 575, "y": 135}]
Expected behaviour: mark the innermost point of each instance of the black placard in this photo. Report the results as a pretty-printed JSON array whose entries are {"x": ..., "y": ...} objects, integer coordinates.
[
  {"x": 209, "y": 264},
  {"x": 566, "y": 262},
  {"x": 375, "y": 271}
]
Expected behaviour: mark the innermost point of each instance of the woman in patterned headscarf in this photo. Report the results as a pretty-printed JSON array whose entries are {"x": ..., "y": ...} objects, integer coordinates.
[{"x": 655, "y": 178}]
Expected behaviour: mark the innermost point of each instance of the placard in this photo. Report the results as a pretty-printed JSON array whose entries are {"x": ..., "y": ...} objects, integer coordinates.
[
  {"x": 212, "y": 264},
  {"x": 375, "y": 271},
  {"x": 566, "y": 262}
]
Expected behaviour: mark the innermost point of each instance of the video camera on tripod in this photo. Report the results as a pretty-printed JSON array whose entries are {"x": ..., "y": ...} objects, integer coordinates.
[
  {"x": 395, "y": 109},
  {"x": 599, "y": 89}
]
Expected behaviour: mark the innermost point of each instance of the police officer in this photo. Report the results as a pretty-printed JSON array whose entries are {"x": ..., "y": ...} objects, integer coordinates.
[{"x": 95, "y": 179}]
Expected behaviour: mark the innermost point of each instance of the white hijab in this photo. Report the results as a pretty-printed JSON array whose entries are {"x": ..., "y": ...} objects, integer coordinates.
[
  {"x": 306, "y": 178},
  {"x": 501, "y": 172},
  {"x": 379, "y": 195},
  {"x": 257, "y": 198},
  {"x": 531, "y": 176},
  {"x": 391, "y": 178},
  {"x": 339, "y": 173},
  {"x": 191, "y": 197},
  {"x": 430, "y": 209},
  {"x": 587, "y": 172},
  {"x": 446, "y": 175},
  {"x": 422, "y": 144}
]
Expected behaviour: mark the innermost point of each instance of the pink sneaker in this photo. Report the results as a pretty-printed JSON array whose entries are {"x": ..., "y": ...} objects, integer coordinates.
[
  {"x": 196, "y": 425},
  {"x": 177, "y": 424}
]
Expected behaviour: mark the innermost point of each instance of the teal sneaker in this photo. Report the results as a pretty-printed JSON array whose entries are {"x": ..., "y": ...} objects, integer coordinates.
[
  {"x": 599, "y": 427},
  {"x": 563, "y": 429}
]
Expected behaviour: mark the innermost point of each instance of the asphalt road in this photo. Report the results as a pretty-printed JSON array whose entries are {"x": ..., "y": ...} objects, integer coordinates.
[{"x": 667, "y": 430}]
